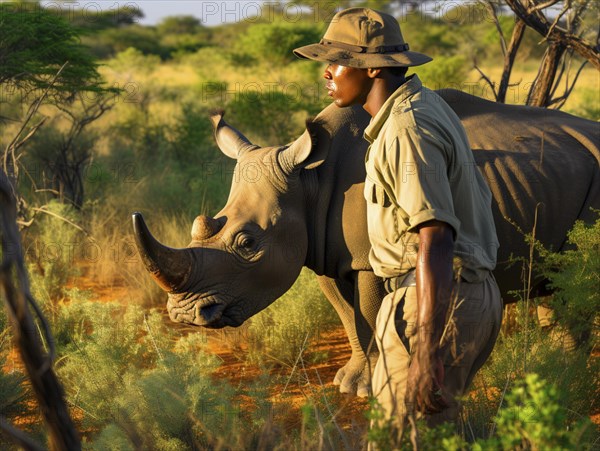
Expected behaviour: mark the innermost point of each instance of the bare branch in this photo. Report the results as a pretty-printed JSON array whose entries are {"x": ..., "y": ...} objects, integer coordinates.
[
  {"x": 509, "y": 59},
  {"x": 486, "y": 79},
  {"x": 491, "y": 8},
  {"x": 15, "y": 285},
  {"x": 541, "y": 25},
  {"x": 565, "y": 67},
  {"x": 558, "y": 17},
  {"x": 42, "y": 209},
  {"x": 542, "y": 6},
  {"x": 35, "y": 107},
  {"x": 562, "y": 99},
  {"x": 19, "y": 437}
]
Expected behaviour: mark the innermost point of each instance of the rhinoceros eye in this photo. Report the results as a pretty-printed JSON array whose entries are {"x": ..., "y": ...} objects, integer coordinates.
[{"x": 245, "y": 242}]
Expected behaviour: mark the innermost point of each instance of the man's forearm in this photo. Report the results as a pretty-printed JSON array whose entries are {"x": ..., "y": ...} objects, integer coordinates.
[{"x": 434, "y": 283}]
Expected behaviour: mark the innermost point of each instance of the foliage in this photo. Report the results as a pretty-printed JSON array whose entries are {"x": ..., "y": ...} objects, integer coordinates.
[
  {"x": 93, "y": 19},
  {"x": 133, "y": 57},
  {"x": 137, "y": 383},
  {"x": 575, "y": 274},
  {"x": 574, "y": 374},
  {"x": 50, "y": 247},
  {"x": 179, "y": 25},
  {"x": 283, "y": 331},
  {"x": 447, "y": 72},
  {"x": 534, "y": 418},
  {"x": 34, "y": 44},
  {"x": 273, "y": 43},
  {"x": 15, "y": 399},
  {"x": 146, "y": 40},
  {"x": 273, "y": 122},
  {"x": 128, "y": 381}
]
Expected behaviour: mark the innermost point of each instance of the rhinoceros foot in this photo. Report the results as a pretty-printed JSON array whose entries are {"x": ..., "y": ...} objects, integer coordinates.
[{"x": 355, "y": 376}]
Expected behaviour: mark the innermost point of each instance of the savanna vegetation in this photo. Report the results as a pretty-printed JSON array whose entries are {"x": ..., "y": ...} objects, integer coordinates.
[{"x": 102, "y": 117}]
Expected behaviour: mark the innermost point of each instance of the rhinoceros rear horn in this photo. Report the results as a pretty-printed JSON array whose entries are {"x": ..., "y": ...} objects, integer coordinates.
[
  {"x": 308, "y": 151},
  {"x": 231, "y": 142},
  {"x": 170, "y": 268}
]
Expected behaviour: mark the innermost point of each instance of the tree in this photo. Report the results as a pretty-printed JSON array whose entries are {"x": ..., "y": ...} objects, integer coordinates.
[
  {"x": 67, "y": 154},
  {"x": 565, "y": 37},
  {"x": 179, "y": 25},
  {"x": 34, "y": 44},
  {"x": 41, "y": 62}
]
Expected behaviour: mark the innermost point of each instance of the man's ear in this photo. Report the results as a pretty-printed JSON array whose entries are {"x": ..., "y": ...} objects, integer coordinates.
[{"x": 373, "y": 73}]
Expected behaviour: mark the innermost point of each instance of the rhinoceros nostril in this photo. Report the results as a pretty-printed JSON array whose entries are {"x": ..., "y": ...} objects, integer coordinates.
[
  {"x": 205, "y": 227},
  {"x": 211, "y": 312}
]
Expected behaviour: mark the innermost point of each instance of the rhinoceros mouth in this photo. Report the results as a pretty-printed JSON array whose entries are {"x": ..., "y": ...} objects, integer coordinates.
[{"x": 207, "y": 311}]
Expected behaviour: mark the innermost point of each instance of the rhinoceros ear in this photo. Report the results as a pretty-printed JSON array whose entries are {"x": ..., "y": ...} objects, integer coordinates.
[
  {"x": 308, "y": 151},
  {"x": 231, "y": 142}
]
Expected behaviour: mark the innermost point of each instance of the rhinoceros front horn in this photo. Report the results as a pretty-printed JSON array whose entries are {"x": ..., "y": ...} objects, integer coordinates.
[{"x": 169, "y": 267}]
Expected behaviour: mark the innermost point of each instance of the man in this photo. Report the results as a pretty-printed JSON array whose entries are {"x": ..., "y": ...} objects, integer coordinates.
[{"x": 429, "y": 216}]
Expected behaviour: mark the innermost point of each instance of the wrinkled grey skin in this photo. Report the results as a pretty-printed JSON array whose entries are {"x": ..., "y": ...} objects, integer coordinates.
[{"x": 302, "y": 205}]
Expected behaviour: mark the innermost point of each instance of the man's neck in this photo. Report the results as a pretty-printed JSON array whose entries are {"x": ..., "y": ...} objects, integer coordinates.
[{"x": 381, "y": 90}]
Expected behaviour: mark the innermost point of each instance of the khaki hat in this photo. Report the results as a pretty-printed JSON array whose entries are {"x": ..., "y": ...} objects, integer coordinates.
[{"x": 362, "y": 38}]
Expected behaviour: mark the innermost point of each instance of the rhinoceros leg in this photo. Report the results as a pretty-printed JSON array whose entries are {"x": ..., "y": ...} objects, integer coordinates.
[
  {"x": 368, "y": 295},
  {"x": 355, "y": 375}
]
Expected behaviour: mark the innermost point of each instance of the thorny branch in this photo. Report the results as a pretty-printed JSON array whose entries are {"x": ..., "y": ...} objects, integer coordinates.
[{"x": 14, "y": 283}]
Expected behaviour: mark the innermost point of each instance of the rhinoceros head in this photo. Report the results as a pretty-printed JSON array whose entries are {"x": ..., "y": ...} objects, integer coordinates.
[{"x": 247, "y": 256}]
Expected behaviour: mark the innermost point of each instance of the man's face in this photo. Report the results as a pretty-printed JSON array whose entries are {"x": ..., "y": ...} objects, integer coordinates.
[{"x": 347, "y": 85}]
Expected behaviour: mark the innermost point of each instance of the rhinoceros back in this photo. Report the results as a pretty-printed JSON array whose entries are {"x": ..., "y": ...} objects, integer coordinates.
[{"x": 542, "y": 167}]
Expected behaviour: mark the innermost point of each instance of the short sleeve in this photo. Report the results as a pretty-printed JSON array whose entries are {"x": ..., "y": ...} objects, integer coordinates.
[{"x": 418, "y": 177}]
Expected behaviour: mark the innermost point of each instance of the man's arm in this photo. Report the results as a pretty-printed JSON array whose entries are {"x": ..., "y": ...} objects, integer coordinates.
[{"x": 434, "y": 290}]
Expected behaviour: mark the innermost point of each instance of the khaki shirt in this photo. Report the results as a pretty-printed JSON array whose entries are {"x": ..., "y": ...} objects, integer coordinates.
[{"x": 420, "y": 167}]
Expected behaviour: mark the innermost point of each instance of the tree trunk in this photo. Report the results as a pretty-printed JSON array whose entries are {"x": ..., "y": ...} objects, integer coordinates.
[
  {"x": 509, "y": 59},
  {"x": 555, "y": 34},
  {"x": 540, "y": 93}
]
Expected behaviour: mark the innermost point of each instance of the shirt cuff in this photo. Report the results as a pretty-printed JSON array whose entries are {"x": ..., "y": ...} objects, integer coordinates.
[{"x": 437, "y": 215}]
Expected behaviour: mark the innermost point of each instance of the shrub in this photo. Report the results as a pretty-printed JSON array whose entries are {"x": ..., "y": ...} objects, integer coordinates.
[
  {"x": 575, "y": 275},
  {"x": 446, "y": 72},
  {"x": 273, "y": 43},
  {"x": 535, "y": 418},
  {"x": 283, "y": 331},
  {"x": 267, "y": 114},
  {"x": 573, "y": 374},
  {"x": 50, "y": 247}
]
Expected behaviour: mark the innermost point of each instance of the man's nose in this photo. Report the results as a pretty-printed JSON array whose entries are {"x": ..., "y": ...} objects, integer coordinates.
[{"x": 327, "y": 73}]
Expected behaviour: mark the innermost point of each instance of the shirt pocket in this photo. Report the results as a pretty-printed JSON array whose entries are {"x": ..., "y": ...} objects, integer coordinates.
[{"x": 384, "y": 218}]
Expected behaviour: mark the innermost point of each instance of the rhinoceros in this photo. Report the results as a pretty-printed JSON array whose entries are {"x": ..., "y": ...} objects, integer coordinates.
[{"x": 302, "y": 205}]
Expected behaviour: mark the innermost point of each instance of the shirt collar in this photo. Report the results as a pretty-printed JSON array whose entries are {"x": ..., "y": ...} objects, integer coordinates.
[{"x": 410, "y": 87}]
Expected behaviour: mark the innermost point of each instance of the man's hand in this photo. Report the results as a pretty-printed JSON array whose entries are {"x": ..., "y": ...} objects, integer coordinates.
[
  {"x": 434, "y": 289},
  {"x": 425, "y": 384}
]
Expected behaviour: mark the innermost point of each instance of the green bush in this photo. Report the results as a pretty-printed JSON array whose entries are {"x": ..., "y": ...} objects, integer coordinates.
[
  {"x": 273, "y": 43},
  {"x": 135, "y": 382},
  {"x": 283, "y": 331},
  {"x": 575, "y": 276},
  {"x": 267, "y": 115},
  {"x": 535, "y": 418},
  {"x": 51, "y": 248},
  {"x": 445, "y": 72},
  {"x": 573, "y": 374}
]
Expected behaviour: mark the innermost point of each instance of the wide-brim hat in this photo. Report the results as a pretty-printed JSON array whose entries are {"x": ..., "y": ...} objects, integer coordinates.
[{"x": 362, "y": 38}]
